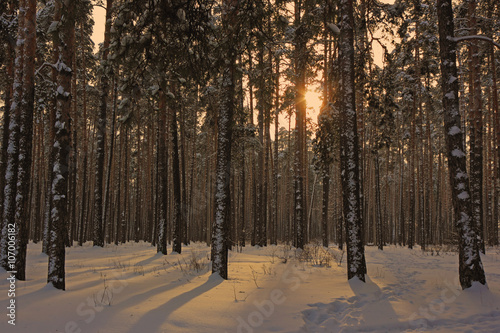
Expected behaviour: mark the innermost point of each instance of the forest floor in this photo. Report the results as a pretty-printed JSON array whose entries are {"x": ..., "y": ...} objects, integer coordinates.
[{"x": 131, "y": 289}]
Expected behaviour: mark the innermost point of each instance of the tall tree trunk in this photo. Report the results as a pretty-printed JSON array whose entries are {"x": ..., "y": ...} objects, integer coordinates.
[
  {"x": 476, "y": 129},
  {"x": 470, "y": 265},
  {"x": 184, "y": 207},
  {"x": 276, "y": 208},
  {"x": 178, "y": 216},
  {"x": 61, "y": 147},
  {"x": 98, "y": 234},
  {"x": 25, "y": 139},
  {"x": 224, "y": 138},
  {"x": 350, "y": 150},
  {"x": 379, "y": 228},
  {"x": 84, "y": 161},
  {"x": 162, "y": 173},
  {"x": 300, "y": 59},
  {"x": 324, "y": 210},
  {"x": 73, "y": 167},
  {"x": 10, "y": 55},
  {"x": 107, "y": 195},
  {"x": 9, "y": 206},
  {"x": 261, "y": 106},
  {"x": 137, "y": 231},
  {"x": 496, "y": 142},
  {"x": 242, "y": 219}
]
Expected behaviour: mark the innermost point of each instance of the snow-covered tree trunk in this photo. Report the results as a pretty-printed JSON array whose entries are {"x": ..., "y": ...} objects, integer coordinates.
[
  {"x": 124, "y": 213},
  {"x": 225, "y": 129},
  {"x": 9, "y": 205},
  {"x": 109, "y": 168},
  {"x": 64, "y": 14},
  {"x": 223, "y": 175},
  {"x": 412, "y": 182},
  {"x": 276, "y": 205},
  {"x": 379, "y": 227},
  {"x": 9, "y": 61},
  {"x": 356, "y": 265},
  {"x": 470, "y": 265},
  {"x": 496, "y": 143},
  {"x": 185, "y": 221},
  {"x": 22, "y": 215},
  {"x": 98, "y": 234},
  {"x": 177, "y": 223},
  {"x": 324, "y": 208},
  {"x": 300, "y": 59},
  {"x": 260, "y": 96},
  {"x": 84, "y": 150},
  {"x": 242, "y": 218},
  {"x": 118, "y": 230},
  {"x": 137, "y": 231},
  {"x": 475, "y": 128},
  {"x": 162, "y": 173}
]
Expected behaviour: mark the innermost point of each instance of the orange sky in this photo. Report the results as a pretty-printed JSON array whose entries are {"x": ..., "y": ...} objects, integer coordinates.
[{"x": 313, "y": 98}]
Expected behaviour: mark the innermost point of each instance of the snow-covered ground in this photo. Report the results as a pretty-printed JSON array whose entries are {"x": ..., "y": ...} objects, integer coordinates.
[{"x": 130, "y": 288}]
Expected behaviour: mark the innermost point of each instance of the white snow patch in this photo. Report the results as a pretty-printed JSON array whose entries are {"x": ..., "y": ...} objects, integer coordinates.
[
  {"x": 455, "y": 130},
  {"x": 450, "y": 95},
  {"x": 404, "y": 292},
  {"x": 463, "y": 195},
  {"x": 457, "y": 153}
]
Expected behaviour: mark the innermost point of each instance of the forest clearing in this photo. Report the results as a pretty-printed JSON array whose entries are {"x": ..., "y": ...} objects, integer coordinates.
[{"x": 130, "y": 289}]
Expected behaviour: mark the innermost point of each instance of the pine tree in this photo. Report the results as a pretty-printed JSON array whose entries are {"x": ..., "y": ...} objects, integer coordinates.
[
  {"x": 176, "y": 175},
  {"x": 64, "y": 15},
  {"x": 349, "y": 144},
  {"x": 300, "y": 66},
  {"x": 475, "y": 128},
  {"x": 11, "y": 174},
  {"x": 22, "y": 215},
  {"x": 162, "y": 171},
  {"x": 98, "y": 235},
  {"x": 470, "y": 265},
  {"x": 7, "y": 59},
  {"x": 225, "y": 127}
]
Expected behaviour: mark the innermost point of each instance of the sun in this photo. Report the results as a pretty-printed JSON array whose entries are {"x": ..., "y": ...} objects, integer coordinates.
[{"x": 314, "y": 101}]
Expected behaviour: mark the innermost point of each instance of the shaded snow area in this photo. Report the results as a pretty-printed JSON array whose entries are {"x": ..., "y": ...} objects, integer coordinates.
[{"x": 131, "y": 289}]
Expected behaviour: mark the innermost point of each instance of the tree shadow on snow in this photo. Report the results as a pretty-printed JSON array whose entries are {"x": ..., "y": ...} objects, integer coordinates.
[
  {"x": 150, "y": 259},
  {"x": 154, "y": 319},
  {"x": 375, "y": 310},
  {"x": 369, "y": 310}
]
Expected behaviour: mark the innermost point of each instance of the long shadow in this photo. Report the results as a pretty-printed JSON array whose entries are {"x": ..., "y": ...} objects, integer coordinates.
[
  {"x": 149, "y": 260},
  {"x": 124, "y": 304},
  {"x": 155, "y": 318}
]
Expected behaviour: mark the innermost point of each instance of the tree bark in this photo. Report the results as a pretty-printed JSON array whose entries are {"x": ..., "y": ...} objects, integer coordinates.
[
  {"x": 350, "y": 149},
  {"x": 300, "y": 59},
  {"x": 25, "y": 139},
  {"x": 162, "y": 173},
  {"x": 224, "y": 138},
  {"x": 61, "y": 147},
  {"x": 9, "y": 205},
  {"x": 178, "y": 216},
  {"x": 470, "y": 265},
  {"x": 98, "y": 234},
  {"x": 9, "y": 91}
]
